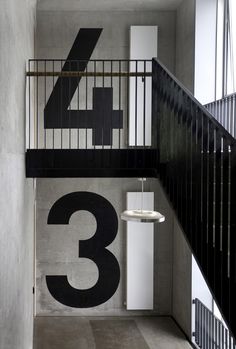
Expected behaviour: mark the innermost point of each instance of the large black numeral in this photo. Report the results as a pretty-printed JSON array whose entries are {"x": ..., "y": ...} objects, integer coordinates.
[
  {"x": 56, "y": 114},
  {"x": 93, "y": 248},
  {"x": 102, "y": 118}
]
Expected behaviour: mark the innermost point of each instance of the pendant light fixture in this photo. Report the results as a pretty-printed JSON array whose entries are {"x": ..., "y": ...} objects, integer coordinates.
[{"x": 141, "y": 215}]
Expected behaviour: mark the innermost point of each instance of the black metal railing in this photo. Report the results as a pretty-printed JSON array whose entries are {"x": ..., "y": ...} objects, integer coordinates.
[
  {"x": 198, "y": 171},
  {"x": 210, "y": 332},
  {"x": 224, "y": 111},
  {"x": 92, "y": 104}
]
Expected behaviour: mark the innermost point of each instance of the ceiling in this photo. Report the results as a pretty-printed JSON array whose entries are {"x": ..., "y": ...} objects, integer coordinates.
[{"x": 107, "y": 5}]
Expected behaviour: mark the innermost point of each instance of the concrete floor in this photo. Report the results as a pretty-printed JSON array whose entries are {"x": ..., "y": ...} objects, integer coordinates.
[{"x": 107, "y": 333}]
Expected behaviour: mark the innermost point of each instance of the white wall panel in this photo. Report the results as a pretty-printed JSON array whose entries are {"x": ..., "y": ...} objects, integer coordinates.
[
  {"x": 140, "y": 255},
  {"x": 143, "y": 45}
]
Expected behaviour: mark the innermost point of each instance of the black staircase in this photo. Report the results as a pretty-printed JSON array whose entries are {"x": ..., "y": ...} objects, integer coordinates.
[
  {"x": 198, "y": 171},
  {"x": 195, "y": 157}
]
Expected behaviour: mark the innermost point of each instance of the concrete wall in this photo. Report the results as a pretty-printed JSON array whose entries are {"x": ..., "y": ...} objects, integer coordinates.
[
  {"x": 57, "y": 246},
  {"x": 182, "y": 280},
  {"x": 63, "y": 27},
  {"x": 185, "y": 42},
  {"x": 17, "y": 20},
  {"x": 182, "y": 273}
]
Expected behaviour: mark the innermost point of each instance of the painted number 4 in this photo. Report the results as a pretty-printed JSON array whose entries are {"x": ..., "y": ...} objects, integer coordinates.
[{"x": 102, "y": 119}]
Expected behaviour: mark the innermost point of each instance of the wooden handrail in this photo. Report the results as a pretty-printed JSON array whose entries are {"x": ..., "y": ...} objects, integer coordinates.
[{"x": 74, "y": 74}]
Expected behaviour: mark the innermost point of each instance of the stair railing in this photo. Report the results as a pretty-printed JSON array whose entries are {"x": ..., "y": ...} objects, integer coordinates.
[
  {"x": 95, "y": 104},
  {"x": 210, "y": 332},
  {"x": 224, "y": 111},
  {"x": 198, "y": 171}
]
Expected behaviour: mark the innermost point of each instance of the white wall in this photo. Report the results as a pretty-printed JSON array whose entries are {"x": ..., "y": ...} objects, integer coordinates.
[
  {"x": 205, "y": 43},
  {"x": 17, "y": 20}
]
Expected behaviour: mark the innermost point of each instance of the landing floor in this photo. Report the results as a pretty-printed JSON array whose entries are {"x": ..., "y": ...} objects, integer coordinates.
[{"x": 107, "y": 333}]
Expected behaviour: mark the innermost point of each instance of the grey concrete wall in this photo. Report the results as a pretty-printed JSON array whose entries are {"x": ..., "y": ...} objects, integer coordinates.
[
  {"x": 17, "y": 19},
  {"x": 56, "y": 31},
  {"x": 185, "y": 43},
  {"x": 182, "y": 266},
  {"x": 182, "y": 280},
  {"x": 57, "y": 246},
  {"x": 63, "y": 27}
]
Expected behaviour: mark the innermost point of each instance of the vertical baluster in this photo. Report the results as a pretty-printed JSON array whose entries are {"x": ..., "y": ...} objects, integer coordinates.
[
  {"x": 168, "y": 145},
  {"x": 200, "y": 329},
  {"x": 86, "y": 105},
  {"x": 207, "y": 329},
  {"x": 29, "y": 106},
  {"x": 37, "y": 108},
  {"x": 227, "y": 111},
  {"x": 171, "y": 140},
  {"x": 210, "y": 267},
  {"x": 136, "y": 103},
  {"x": 204, "y": 327},
  {"x": 197, "y": 183},
  {"x": 103, "y": 119},
  {"x": 61, "y": 94},
  {"x": 45, "y": 94},
  {"x": 193, "y": 179},
  {"x": 222, "y": 112},
  {"x": 174, "y": 144},
  {"x": 217, "y": 116},
  {"x": 53, "y": 131},
  {"x": 232, "y": 235},
  {"x": 231, "y": 117},
  {"x": 94, "y": 84},
  {"x": 185, "y": 206},
  {"x": 69, "y": 133},
  {"x": 196, "y": 320},
  {"x": 222, "y": 336},
  {"x": 212, "y": 331},
  {"x": 111, "y": 138},
  {"x": 144, "y": 104},
  {"x": 78, "y": 101},
  {"x": 217, "y": 218},
  {"x": 204, "y": 193},
  {"x": 224, "y": 231},
  {"x": 219, "y": 333},
  {"x": 127, "y": 103},
  {"x": 120, "y": 66},
  {"x": 234, "y": 115}
]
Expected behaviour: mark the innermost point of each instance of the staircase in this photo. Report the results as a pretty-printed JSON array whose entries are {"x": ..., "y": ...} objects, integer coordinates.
[
  {"x": 191, "y": 152},
  {"x": 198, "y": 171}
]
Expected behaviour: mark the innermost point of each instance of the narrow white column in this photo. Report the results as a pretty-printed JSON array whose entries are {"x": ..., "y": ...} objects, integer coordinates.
[{"x": 140, "y": 255}]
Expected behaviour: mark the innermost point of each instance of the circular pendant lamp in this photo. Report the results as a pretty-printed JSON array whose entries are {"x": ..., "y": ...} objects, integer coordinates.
[{"x": 142, "y": 216}]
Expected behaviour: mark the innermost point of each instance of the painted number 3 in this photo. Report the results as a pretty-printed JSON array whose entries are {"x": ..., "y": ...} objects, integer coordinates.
[{"x": 93, "y": 248}]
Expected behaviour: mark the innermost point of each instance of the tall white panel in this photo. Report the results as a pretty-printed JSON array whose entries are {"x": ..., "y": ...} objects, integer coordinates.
[
  {"x": 143, "y": 45},
  {"x": 140, "y": 255}
]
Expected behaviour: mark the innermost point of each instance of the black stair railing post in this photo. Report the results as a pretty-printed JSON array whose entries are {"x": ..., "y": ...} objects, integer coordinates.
[{"x": 232, "y": 237}]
